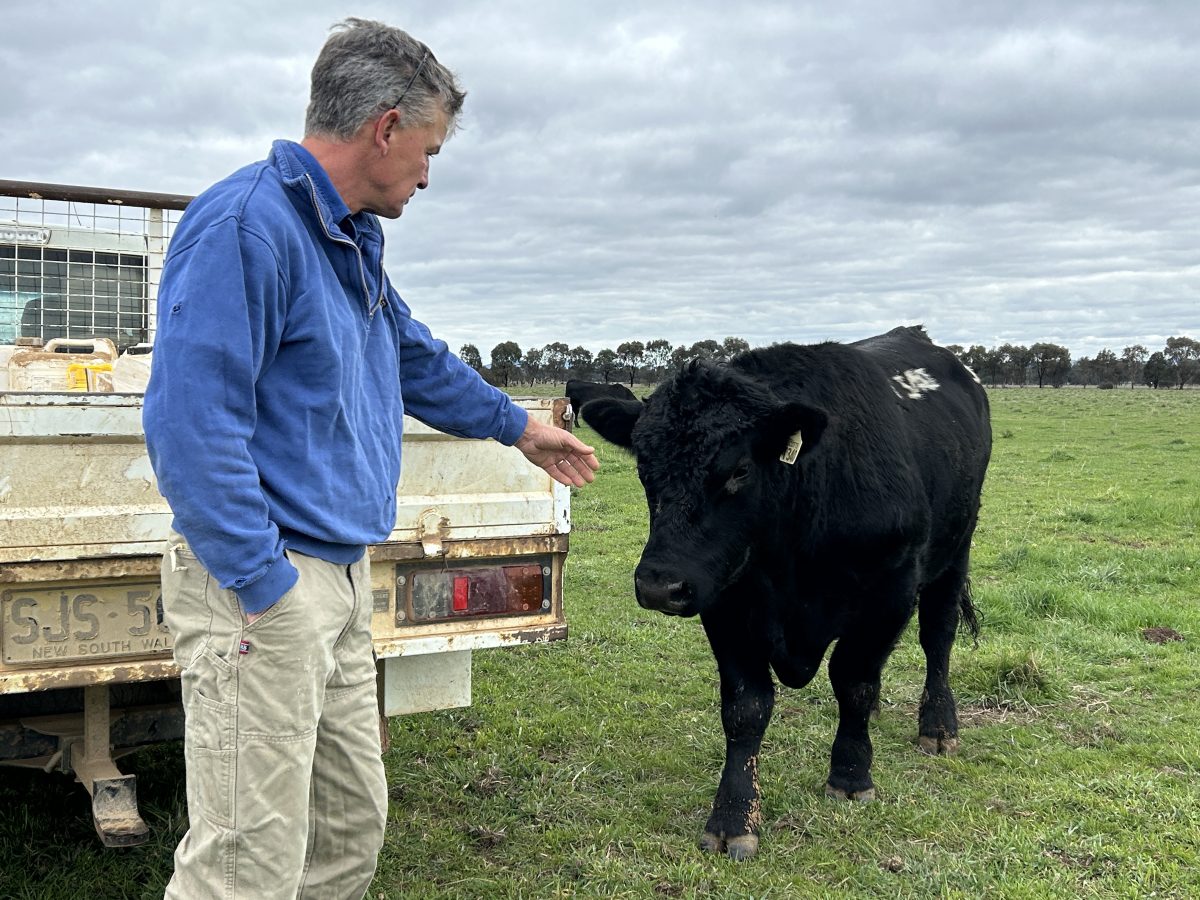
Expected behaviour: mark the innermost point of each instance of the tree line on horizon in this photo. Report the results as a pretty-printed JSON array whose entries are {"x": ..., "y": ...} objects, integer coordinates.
[{"x": 1045, "y": 364}]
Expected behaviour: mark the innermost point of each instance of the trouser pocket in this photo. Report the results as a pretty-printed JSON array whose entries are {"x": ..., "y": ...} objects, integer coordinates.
[{"x": 210, "y": 743}]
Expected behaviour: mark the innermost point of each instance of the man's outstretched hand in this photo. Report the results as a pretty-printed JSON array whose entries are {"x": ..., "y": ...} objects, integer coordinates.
[{"x": 565, "y": 458}]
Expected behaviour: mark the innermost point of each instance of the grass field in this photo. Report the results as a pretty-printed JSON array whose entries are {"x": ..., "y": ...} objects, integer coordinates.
[{"x": 586, "y": 768}]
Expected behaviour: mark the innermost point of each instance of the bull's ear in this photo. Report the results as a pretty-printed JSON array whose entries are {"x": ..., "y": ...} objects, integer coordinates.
[
  {"x": 613, "y": 419},
  {"x": 784, "y": 423}
]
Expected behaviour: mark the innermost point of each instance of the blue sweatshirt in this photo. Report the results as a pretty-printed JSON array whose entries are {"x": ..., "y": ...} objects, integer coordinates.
[{"x": 284, "y": 362}]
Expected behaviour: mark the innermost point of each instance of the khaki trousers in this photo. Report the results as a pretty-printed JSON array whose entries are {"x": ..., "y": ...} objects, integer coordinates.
[{"x": 286, "y": 791}]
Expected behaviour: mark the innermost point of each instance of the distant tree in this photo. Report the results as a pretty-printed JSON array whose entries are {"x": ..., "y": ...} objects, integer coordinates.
[
  {"x": 555, "y": 359},
  {"x": 1100, "y": 370},
  {"x": 1083, "y": 371},
  {"x": 606, "y": 364},
  {"x": 1051, "y": 363},
  {"x": 680, "y": 357},
  {"x": 581, "y": 363},
  {"x": 630, "y": 355},
  {"x": 1183, "y": 356},
  {"x": 506, "y": 362},
  {"x": 1017, "y": 360},
  {"x": 1133, "y": 360},
  {"x": 997, "y": 364},
  {"x": 731, "y": 347},
  {"x": 1106, "y": 366},
  {"x": 658, "y": 357},
  {"x": 959, "y": 351},
  {"x": 470, "y": 355},
  {"x": 1157, "y": 370},
  {"x": 533, "y": 366},
  {"x": 709, "y": 349}
]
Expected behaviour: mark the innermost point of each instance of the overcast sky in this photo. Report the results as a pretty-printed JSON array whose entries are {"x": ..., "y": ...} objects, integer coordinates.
[{"x": 1001, "y": 172}]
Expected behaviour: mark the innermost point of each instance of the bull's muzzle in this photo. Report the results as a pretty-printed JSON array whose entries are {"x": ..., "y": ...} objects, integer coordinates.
[{"x": 673, "y": 597}]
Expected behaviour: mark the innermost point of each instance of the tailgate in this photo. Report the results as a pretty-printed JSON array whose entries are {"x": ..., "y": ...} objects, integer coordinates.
[{"x": 475, "y": 559}]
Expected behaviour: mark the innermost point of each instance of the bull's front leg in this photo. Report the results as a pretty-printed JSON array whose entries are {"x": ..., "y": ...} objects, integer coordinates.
[{"x": 747, "y": 698}]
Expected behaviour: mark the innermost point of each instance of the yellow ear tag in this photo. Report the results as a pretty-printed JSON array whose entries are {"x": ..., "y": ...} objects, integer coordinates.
[{"x": 792, "y": 450}]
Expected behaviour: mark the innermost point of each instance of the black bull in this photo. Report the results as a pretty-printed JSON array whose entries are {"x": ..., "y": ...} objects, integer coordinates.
[
  {"x": 782, "y": 559},
  {"x": 580, "y": 392}
]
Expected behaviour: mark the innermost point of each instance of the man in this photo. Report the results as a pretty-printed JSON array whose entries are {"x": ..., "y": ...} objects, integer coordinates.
[{"x": 284, "y": 363}]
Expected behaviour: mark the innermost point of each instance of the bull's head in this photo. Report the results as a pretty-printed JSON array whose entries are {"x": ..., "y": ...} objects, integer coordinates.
[{"x": 708, "y": 445}]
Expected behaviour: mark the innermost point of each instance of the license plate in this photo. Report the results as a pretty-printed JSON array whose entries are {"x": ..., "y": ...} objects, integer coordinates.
[{"x": 69, "y": 624}]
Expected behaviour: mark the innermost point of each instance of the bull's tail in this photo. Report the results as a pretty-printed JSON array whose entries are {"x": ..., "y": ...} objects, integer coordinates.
[{"x": 966, "y": 611}]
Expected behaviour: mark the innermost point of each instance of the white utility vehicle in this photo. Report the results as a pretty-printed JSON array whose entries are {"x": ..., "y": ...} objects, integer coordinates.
[{"x": 86, "y": 675}]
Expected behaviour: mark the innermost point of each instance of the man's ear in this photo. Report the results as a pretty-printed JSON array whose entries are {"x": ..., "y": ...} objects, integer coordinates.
[
  {"x": 382, "y": 129},
  {"x": 791, "y": 429},
  {"x": 613, "y": 419}
]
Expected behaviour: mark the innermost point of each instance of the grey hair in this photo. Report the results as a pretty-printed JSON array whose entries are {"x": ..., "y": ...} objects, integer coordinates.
[{"x": 365, "y": 69}]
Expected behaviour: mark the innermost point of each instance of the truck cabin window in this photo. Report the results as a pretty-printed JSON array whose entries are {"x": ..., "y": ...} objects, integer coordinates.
[{"x": 51, "y": 292}]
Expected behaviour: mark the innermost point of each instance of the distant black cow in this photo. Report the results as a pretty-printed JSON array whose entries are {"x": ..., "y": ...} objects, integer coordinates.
[
  {"x": 781, "y": 558},
  {"x": 580, "y": 392}
]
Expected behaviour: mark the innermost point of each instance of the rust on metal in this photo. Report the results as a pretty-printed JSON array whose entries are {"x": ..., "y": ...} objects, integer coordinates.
[
  {"x": 404, "y": 551},
  {"x": 79, "y": 569},
  {"x": 540, "y": 635},
  {"x": 473, "y": 549},
  {"x": 560, "y": 413},
  {"x": 13, "y": 682}
]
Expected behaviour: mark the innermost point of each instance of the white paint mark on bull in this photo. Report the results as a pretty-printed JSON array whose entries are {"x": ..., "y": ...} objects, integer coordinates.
[
  {"x": 971, "y": 372},
  {"x": 914, "y": 384},
  {"x": 139, "y": 469}
]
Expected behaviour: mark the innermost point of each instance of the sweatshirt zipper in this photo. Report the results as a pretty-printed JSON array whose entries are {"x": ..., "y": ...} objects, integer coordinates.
[{"x": 362, "y": 272}]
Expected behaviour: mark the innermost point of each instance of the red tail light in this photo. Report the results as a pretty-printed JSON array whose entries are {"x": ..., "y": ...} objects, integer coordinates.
[
  {"x": 429, "y": 594},
  {"x": 462, "y": 589}
]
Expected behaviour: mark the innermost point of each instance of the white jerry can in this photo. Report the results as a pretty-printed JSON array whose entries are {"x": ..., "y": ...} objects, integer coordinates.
[
  {"x": 131, "y": 371},
  {"x": 63, "y": 364},
  {"x": 6, "y": 352}
]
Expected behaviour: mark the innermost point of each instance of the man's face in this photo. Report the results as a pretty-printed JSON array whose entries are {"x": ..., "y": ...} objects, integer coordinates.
[{"x": 405, "y": 166}]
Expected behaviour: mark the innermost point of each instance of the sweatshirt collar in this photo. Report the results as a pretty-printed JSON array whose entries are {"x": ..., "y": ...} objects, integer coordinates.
[{"x": 297, "y": 167}]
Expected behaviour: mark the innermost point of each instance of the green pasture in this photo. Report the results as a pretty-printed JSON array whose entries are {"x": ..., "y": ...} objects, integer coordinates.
[{"x": 586, "y": 768}]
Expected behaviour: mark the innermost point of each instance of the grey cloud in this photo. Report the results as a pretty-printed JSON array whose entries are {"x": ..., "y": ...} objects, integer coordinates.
[{"x": 1002, "y": 172}]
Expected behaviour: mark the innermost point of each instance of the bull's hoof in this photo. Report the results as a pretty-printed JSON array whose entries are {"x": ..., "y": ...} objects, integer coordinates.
[
  {"x": 712, "y": 843},
  {"x": 737, "y": 848},
  {"x": 865, "y": 796},
  {"x": 935, "y": 746},
  {"x": 742, "y": 847}
]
